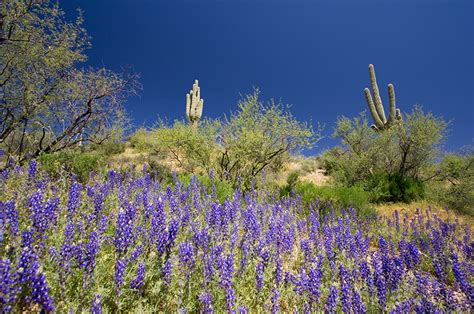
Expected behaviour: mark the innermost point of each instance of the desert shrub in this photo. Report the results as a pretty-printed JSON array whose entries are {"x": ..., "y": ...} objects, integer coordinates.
[
  {"x": 110, "y": 148},
  {"x": 395, "y": 188},
  {"x": 310, "y": 164},
  {"x": 77, "y": 163},
  {"x": 339, "y": 196},
  {"x": 142, "y": 140},
  {"x": 391, "y": 164},
  {"x": 192, "y": 151},
  {"x": 159, "y": 171},
  {"x": 454, "y": 185},
  {"x": 259, "y": 137},
  {"x": 291, "y": 181}
]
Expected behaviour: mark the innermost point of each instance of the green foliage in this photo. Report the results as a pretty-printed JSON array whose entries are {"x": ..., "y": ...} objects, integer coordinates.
[
  {"x": 454, "y": 186},
  {"x": 50, "y": 102},
  {"x": 338, "y": 196},
  {"x": 80, "y": 164},
  {"x": 142, "y": 140},
  {"x": 395, "y": 188},
  {"x": 193, "y": 152},
  {"x": 391, "y": 164},
  {"x": 259, "y": 137},
  {"x": 159, "y": 171}
]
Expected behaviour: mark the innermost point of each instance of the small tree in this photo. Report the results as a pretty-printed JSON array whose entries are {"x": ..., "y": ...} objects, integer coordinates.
[
  {"x": 259, "y": 136},
  {"x": 192, "y": 151},
  {"x": 48, "y": 102}
]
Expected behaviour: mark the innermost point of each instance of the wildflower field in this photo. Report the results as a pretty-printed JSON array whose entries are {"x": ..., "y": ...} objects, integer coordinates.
[{"x": 127, "y": 243}]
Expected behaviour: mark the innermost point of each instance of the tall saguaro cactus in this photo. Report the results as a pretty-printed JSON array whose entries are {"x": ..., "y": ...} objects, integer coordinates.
[
  {"x": 376, "y": 107},
  {"x": 194, "y": 105}
]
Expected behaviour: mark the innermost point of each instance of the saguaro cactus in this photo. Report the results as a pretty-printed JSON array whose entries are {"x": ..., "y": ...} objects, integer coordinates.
[
  {"x": 194, "y": 105},
  {"x": 376, "y": 109}
]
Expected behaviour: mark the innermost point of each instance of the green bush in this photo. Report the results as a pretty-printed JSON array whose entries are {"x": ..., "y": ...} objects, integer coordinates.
[
  {"x": 159, "y": 171},
  {"x": 81, "y": 164},
  {"x": 110, "y": 148},
  {"x": 291, "y": 182},
  {"x": 338, "y": 196},
  {"x": 455, "y": 182},
  {"x": 394, "y": 188},
  {"x": 224, "y": 190},
  {"x": 142, "y": 140}
]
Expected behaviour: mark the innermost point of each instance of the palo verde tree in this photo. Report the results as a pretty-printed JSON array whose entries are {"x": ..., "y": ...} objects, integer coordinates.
[
  {"x": 47, "y": 101},
  {"x": 259, "y": 136}
]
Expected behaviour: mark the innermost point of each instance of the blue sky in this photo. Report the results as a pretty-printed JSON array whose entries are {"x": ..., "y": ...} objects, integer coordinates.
[{"x": 312, "y": 55}]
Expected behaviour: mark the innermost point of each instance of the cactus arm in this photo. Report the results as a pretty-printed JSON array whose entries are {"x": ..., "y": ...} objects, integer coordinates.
[
  {"x": 377, "y": 98},
  {"x": 188, "y": 105},
  {"x": 199, "y": 108},
  {"x": 399, "y": 115},
  {"x": 378, "y": 122},
  {"x": 393, "y": 109}
]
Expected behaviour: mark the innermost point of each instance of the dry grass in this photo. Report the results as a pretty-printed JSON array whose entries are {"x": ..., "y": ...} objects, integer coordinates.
[{"x": 440, "y": 211}]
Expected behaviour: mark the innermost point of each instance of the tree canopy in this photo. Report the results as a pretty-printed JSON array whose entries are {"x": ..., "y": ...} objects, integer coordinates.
[{"x": 48, "y": 100}]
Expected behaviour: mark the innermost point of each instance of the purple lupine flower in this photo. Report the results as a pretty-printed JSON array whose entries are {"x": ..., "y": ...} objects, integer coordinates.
[
  {"x": 172, "y": 233},
  {"x": 96, "y": 306},
  {"x": 40, "y": 291},
  {"x": 379, "y": 281},
  {"x": 425, "y": 306},
  {"x": 331, "y": 302},
  {"x": 278, "y": 271},
  {"x": 8, "y": 285},
  {"x": 345, "y": 289},
  {"x": 314, "y": 281},
  {"x": 409, "y": 253},
  {"x": 358, "y": 306},
  {"x": 74, "y": 199},
  {"x": 403, "y": 307},
  {"x": 260, "y": 275},
  {"x": 92, "y": 248},
  {"x": 123, "y": 233},
  {"x": 306, "y": 248},
  {"x": 32, "y": 170},
  {"x": 186, "y": 257},
  {"x": 139, "y": 280},
  {"x": 24, "y": 265},
  {"x": 206, "y": 299},
  {"x": 11, "y": 215},
  {"x": 461, "y": 278},
  {"x": 397, "y": 271},
  {"x": 135, "y": 254},
  {"x": 275, "y": 301},
  {"x": 230, "y": 299},
  {"x": 167, "y": 271},
  {"x": 120, "y": 267}
]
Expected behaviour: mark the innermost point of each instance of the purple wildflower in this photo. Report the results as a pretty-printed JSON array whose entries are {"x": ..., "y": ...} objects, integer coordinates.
[
  {"x": 331, "y": 302},
  {"x": 167, "y": 271},
  {"x": 186, "y": 257},
  {"x": 96, "y": 306},
  {"x": 139, "y": 280},
  {"x": 206, "y": 299}
]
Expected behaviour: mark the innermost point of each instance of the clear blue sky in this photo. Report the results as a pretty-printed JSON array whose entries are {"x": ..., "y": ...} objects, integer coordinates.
[{"x": 311, "y": 54}]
